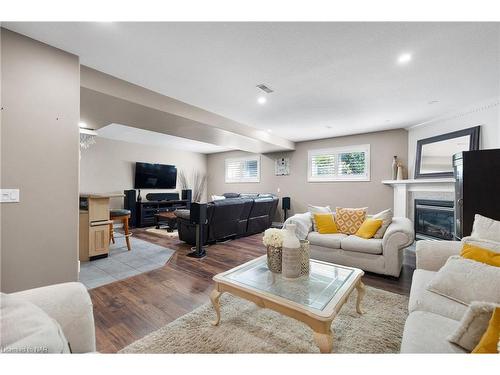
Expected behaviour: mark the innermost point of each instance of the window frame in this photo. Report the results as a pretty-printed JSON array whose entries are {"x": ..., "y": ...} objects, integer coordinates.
[
  {"x": 338, "y": 150},
  {"x": 244, "y": 180}
]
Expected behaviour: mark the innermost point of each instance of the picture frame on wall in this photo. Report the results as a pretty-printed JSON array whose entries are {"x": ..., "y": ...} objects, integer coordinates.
[{"x": 282, "y": 167}]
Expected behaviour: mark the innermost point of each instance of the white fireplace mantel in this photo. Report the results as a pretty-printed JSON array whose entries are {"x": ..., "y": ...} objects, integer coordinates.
[{"x": 403, "y": 187}]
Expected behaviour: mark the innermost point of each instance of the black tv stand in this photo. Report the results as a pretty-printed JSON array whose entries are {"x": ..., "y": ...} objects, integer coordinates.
[
  {"x": 143, "y": 211},
  {"x": 146, "y": 210}
]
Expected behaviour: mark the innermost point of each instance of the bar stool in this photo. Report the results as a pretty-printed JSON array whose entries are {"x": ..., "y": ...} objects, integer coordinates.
[{"x": 119, "y": 214}]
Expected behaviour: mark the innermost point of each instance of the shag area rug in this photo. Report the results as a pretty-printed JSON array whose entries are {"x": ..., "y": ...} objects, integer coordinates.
[{"x": 246, "y": 328}]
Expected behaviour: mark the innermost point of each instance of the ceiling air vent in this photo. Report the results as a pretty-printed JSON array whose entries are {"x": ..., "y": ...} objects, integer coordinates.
[{"x": 265, "y": 88}]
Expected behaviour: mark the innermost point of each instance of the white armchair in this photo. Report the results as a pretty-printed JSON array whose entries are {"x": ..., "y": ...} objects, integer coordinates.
[
  {"x": 70, "y": 305},
  {"x": 432, "y": 255}
]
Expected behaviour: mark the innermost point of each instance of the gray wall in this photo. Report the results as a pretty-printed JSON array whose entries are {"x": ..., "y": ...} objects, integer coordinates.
[
  {"x": 375, "y": 195},
  {"x": 108, "y": 166},
  {"x": 39, "y": 139}
]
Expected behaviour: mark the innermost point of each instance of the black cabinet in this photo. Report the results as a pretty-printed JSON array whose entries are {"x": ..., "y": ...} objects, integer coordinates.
[
  {"x": 477, "y": 187},
  {"x": 146, "y": 210},
  {"x": 143, "y": 212}
]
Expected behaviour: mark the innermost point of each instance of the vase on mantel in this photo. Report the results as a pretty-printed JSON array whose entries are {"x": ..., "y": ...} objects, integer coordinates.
[
  {"x": 395, "y": 167},
  {"x": 400, "y": 173},
  {"x": 291, "y": 254}
]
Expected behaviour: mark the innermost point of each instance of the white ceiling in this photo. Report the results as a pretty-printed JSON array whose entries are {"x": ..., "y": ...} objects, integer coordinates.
[
  {"x": 134, "y": 135},
  {"x": 329, "y": 79}
]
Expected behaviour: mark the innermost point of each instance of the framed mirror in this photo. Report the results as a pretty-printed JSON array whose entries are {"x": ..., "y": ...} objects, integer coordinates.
[{"x": 434, "y": 155}]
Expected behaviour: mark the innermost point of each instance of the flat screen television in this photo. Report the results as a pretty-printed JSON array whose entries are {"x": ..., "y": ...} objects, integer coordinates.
[{"x": 155, "y": 176}]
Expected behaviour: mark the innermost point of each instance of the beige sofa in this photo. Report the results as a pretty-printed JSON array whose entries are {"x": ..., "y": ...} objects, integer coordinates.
[
  {"x": 69, "y": 304},
  {"x": 432, "y": 317},
  {"x": 383, "y": 256}
]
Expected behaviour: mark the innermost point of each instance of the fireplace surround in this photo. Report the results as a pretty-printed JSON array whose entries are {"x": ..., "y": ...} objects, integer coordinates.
[{"x": 434, "y": 219}]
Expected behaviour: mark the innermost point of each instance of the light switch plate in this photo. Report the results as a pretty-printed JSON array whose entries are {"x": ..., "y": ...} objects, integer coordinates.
[{"x": 9, "y": 195}]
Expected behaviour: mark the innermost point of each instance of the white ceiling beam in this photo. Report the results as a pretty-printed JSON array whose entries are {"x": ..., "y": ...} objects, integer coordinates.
[{"x": 106, "y": 99}]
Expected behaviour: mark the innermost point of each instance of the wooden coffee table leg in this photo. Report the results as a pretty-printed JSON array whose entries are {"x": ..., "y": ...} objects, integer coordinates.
[
  {"x": 324, "y": 340},
  {"x": 215, "y": 298},
  {"x": 360, "y": 287}
]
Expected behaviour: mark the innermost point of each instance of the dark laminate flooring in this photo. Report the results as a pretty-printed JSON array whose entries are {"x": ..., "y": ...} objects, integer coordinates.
[{"x": 129, "y": 309}]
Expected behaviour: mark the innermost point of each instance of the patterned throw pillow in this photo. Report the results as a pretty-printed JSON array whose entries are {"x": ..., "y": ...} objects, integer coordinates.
[{"x": 349, "y": 220}]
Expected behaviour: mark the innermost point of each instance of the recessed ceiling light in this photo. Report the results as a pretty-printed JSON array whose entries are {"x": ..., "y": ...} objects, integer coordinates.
[
  {"x": 261, "y": 100},
  {"x": 404, "y": 58},
  {"x": 269, "y": 130}
]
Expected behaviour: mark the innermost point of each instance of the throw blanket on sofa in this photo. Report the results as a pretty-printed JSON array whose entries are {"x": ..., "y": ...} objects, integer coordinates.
[{"x": 303, "y": 224}]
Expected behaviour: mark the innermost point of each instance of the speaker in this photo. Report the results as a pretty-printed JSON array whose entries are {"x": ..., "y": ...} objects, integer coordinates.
[
  {"x": 198, "y": 213},
  {"x": 162, "y": 196},
  {"x": 130, "y": 203},
  {"x": 285, "y": 203},
  {"x": 187, "y": 195}
]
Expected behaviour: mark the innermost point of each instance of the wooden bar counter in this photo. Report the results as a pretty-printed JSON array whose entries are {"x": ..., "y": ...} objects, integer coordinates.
[{"x": 94, "y": 224}]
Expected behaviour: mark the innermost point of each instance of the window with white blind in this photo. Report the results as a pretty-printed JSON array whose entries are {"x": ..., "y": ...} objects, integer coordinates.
[
  {"x": 349, "y": 163},
  {"x": 245, "y": 169}
]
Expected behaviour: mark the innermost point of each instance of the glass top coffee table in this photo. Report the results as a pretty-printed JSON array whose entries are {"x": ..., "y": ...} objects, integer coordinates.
[{"x": 314, "y": 299}]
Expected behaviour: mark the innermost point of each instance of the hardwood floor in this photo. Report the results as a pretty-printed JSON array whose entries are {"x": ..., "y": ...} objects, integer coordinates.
[{"x": 128, "y": 310}]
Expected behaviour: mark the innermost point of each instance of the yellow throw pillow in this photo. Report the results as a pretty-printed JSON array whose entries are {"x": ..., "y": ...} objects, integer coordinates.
[
  {"x": 480, "y": 254},
  {"x": 325, "y": 224},
  {"x": 489, "y": 341},
  {"x": 349, "y": 220},
  {"x": 369, "y": 228}
]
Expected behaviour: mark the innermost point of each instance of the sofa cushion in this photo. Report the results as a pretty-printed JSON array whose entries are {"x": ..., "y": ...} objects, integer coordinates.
[
  {"x": 267, "y": 195},
  {"x": 249, "y": 195},
  {"x": 369, "y": 227},
  {"x": 490, "y": 341},
  {"x": 303, "y": 224},
  {"x": 485, "y": 244},
  {"x": 26, "y": 328},
  {"x": 426, "y": 332},
  {"x": 422, "y": 299},
  {"x": 486, "y": 228},
  {"x": 480, "y": 254},
  {"x": 182, "y": 213},
  {"x": 317, "y": 210},
  {"x": 326, "y": 240},
  {"x": 231, "y": 195},
  {"x": 362, "y": 245},
  {"x": 465, "y": 280},
  {"x": 325, "y": 223},
  {"x": 217, "y": 197},
  {"x": 349, "y": 219},
  {"x": 473, "y": 325},
  {"x": 386, "y": 217}
]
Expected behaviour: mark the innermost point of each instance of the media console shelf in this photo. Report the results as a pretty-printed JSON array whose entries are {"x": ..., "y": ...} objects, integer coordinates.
[
  {"x": 142, "y": 212},
  {"x": 146, "y": 210}
]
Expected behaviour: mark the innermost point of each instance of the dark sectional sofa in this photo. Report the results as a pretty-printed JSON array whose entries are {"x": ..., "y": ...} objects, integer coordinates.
[{"x": 238, "y": 215}]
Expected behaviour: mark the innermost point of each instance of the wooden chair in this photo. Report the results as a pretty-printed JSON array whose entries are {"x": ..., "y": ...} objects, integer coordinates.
[{"x": 122, "y": 215}]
